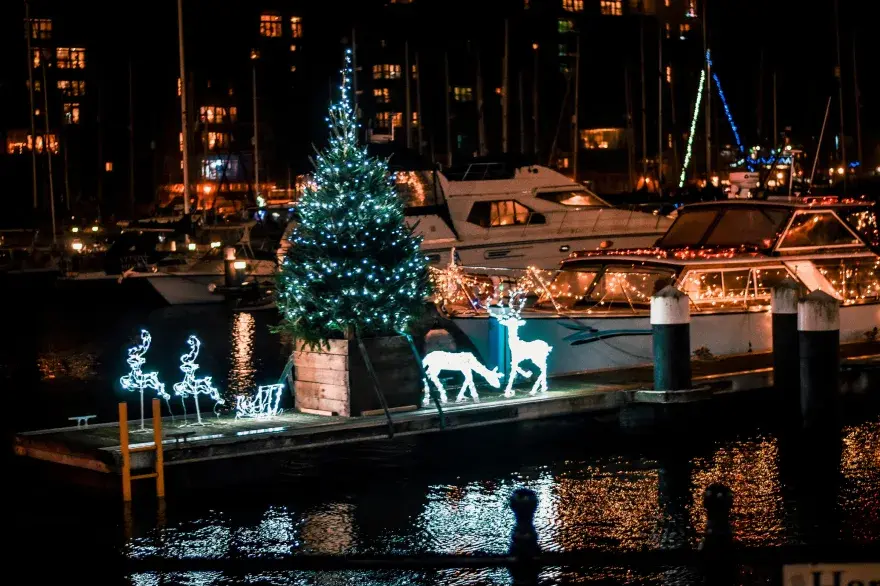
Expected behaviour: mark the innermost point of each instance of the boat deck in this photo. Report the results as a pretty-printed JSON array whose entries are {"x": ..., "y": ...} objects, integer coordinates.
[{"x": 97, "y": 448}]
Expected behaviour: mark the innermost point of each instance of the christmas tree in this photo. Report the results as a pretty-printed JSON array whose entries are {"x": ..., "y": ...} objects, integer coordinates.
[{"x": 354, "y": 266}]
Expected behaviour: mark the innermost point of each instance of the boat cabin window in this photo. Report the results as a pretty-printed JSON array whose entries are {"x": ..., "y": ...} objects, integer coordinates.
[
  {"x": 688, "y": 229},
  {"x": 748, "y": 226},
  {"x": 817, "y": 229},
  {"x": 573, "y": 198},
  {"x": 856, "y": 280},
  {"x": 611, "y": 287},
  {"x": 734, "y": 287},
  {"x": 502, "y": 213}
]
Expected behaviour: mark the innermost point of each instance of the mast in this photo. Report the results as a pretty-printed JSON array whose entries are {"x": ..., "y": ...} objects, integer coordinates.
[
  {"x": 660, "y": 74},
  {"x": 505, "y": 87},
  {"x": 481, "y": 121},
  {"x": 448, "y": 113},
  {"x": 644, "y": 99},
  {"x": 775, "y": 140},
  {"x": 130, "y": 139},
  {"x": 708, "y": 94},
  {"x": 858, "y": 99},
  {"x": 408, "y": 120},
  {"x": 574, "y": 118},
  {"x": 419, "y": 102},
  {"x": 47, "y": 144},
  {"x": 522, "y": 119},
  {"x": 630, "y": 163},
  {"x": 535, "y": 100},
  {"x": 819, "y": 145},
  {"x": 837, "y": 72},
  {"x": 184, "y": 127},
  {"x": 28, "y": 31},
  {"x": 257, "y": 195}
]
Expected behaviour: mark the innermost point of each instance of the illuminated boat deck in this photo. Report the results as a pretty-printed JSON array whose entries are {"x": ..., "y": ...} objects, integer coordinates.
[{"x": 96, "y": 447}]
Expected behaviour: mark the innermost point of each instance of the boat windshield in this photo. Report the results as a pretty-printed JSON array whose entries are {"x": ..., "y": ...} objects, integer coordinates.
[
  {"x": 604, "y": 288},
  {"x": 577, "y": 198},
  {"x": 752, "y": 226}
]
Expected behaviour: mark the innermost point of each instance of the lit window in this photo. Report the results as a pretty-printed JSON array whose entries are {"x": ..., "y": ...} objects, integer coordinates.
[
  {"x": 38, "y": 86},
  {"x": 566, "y": 25},
  {"x": 212, "y": 114},
  {"x": 270, "y": 25},
  {"x": 387, "y": 119},
  {"x": 415, "y": 72},
  {"x": 668, "y": 74},
  {"x": 233, "y": 113},
  {"x": 255, "y": 53},
  {"x": 17, "y": 142},
  {"x": 683, "y": 28},
  {"x": 180, "y": 140},
  {"x": 573, "y": 5},
  {"x": 293, "y": 68},
  {"x": 666, "y": 3},
  {"x": 71, "y": 113},
  {"x": 386, "y": 71},
  {"x": 692, "y": 9},
  {"x": 38, "y": 143},
  {"x": 415, "y": 118},
  {"x": 463, "y": 94},
  {"x": 611, "y": 7},
  {"x": 382, "y": 95},
  {"x": 108, "y": 166},
  {"x": 296, "y": 27},
  {"x": 217, "y": 140},
  {"x": 668, "y": 28},
  {"x": 38, "y": 56},
  {"x": 502, "y": 213},
  {"x": 72, "y": 87},
  {"x": 292, "y": 48},
  {"x": 70, "y": 58},
  {"x": 178, "y": 86},
  {"x": 41, "y": 28}
]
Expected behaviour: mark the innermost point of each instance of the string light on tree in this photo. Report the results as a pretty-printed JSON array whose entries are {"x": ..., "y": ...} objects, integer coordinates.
[
  {"x": 354, "y": 266},
  {"x": 191, "y": 386},
  {"x": 137, "y": 380}
]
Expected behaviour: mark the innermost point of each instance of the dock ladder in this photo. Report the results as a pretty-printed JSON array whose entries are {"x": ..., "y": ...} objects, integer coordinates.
[{"x": 159, "y": 472}]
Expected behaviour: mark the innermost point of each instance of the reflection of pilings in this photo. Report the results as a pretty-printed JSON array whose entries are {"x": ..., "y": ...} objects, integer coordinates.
[{"x": 674, "y": 497}]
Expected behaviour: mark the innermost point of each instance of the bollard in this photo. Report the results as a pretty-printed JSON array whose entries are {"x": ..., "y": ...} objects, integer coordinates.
[
  {"x": 786, "y": 367},
  {"x": 670, "y": 330},
  {"x": 819, "y": 355},
  {"x": 230, "y": 272},
  {"x": 524, "y": 538},
  {"x": 719, "y": 568}
]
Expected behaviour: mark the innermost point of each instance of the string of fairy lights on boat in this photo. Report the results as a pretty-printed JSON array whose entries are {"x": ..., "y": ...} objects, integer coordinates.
[{"x": 854, "y": 280}]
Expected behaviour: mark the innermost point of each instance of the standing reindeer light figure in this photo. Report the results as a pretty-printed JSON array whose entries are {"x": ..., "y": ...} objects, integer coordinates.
[
  {"x": 192, "y": 386},
  {"x": 536, "y": 351},
  {"x": 464, "y": 362},
  {"x": 137, "y": 380}
]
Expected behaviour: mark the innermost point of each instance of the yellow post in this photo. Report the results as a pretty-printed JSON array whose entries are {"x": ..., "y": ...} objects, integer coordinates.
[
  {"x": 157, "y": 440},
  {"x": 126, "y": 457}
]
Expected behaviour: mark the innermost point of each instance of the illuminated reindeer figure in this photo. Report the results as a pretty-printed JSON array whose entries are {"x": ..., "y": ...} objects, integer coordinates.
[
  {"x": 464, "y": 362},
  {"x": 192, "y": 386},
  {"x": 137, "y": 380},
  {"x": 263, "y": 405},
  {"x": 537, "y": 351}
]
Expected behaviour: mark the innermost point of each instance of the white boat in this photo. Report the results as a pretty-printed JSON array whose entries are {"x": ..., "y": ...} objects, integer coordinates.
[
  {"x": 727, "y": 256},
  {"x": 531, "y": 215},
  {"x": 498, "y": 217},
  {"x": 181, "y": 273}
]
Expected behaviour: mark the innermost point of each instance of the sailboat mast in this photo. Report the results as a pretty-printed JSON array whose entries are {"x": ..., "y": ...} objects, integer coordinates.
[
  {"x": 708, "y": 94},
  {"x": 858, "y": 99},
  {"x": 184, "y": 125},
  {"x": 28, "y": 31},
  {"x": 839, "y": 76}
]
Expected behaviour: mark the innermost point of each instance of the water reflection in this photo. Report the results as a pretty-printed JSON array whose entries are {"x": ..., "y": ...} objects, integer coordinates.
[
  {"x": 72, "y": 365},
  {"x": 242, "y": 369},
  {"x": 614, "y": 502}
]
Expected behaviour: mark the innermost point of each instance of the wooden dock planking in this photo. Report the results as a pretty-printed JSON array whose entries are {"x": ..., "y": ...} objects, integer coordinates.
[{"x": 97, "y": 447}]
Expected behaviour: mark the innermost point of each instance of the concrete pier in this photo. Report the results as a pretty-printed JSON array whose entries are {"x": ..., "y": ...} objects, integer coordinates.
[{"x": 819, "y": 349}]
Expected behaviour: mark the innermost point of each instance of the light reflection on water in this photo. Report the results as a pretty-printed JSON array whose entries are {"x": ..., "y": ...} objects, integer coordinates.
[
  {"x": 241, "y": 369},
  {"x": 613, "y": 502}
]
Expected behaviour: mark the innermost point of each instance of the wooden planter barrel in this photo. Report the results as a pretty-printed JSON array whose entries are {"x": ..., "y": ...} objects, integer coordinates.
[{"x": 336, "y": 381}]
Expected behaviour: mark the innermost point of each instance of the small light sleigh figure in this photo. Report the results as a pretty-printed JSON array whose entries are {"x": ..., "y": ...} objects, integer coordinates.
[
  {"x": 465, "y": 363},
  {"x": 263, "y": 405}
]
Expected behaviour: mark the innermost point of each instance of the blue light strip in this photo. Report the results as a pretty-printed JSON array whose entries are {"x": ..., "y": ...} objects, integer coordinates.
[{"x": 724, "y": 104}]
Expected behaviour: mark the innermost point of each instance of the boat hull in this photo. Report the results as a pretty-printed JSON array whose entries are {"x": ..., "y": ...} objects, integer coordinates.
[
  {"x": 625, "y": 341},
  {"x": 186, "y": 289}
]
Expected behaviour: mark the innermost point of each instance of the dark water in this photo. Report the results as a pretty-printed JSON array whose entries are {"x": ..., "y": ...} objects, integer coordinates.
[{"x": 598, "y": 485}]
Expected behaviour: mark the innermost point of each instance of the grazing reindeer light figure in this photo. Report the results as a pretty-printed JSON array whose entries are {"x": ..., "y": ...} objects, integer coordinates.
[
  {"x": 192, "y": 386},
  {"x": 537, "y": 351},
  {"x": 464, "y": 362},
  {"x": 137, "y": 380}
]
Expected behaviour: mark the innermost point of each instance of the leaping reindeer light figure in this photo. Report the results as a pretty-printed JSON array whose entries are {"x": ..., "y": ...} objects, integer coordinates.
[
  {"x": 137, "y": 380},
  {"x": 192, "y": 386}
]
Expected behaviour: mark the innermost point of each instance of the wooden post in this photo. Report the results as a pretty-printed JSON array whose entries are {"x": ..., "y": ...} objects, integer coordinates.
[
  {"x": 126, "y": 457},
  {"x": 157, "y": 440}
]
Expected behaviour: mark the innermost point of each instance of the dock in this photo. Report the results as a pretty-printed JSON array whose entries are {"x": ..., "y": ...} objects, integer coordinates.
[{"x": 97, "y": 446}]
